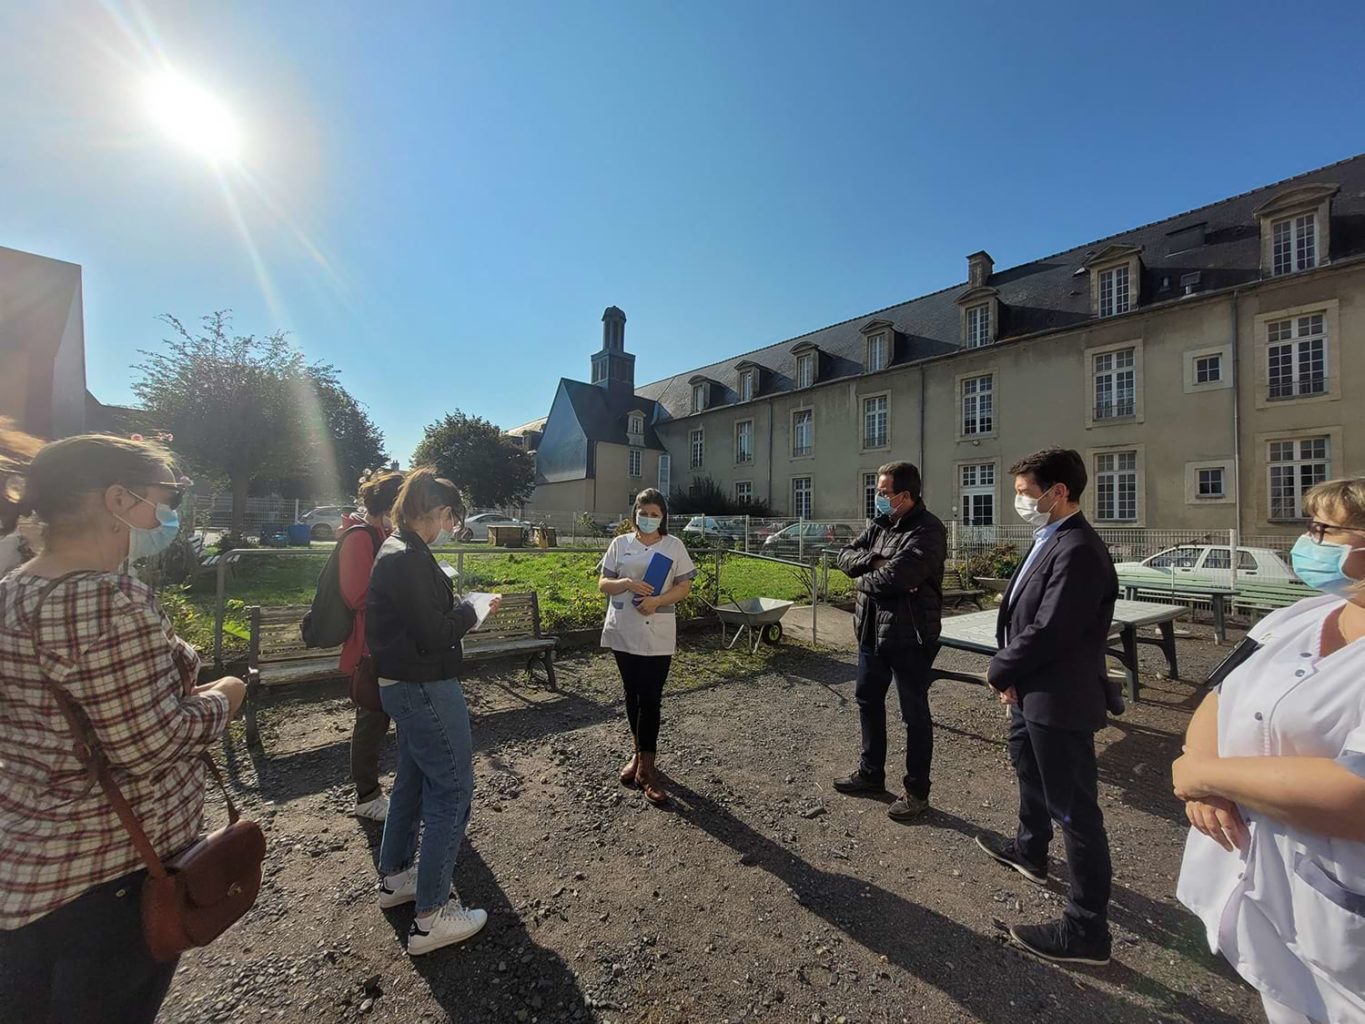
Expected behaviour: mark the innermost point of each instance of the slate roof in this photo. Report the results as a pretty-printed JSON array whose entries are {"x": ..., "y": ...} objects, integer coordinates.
[
  {"x": 602, "y": 413},
  {"x": 1047, "y": 294}
]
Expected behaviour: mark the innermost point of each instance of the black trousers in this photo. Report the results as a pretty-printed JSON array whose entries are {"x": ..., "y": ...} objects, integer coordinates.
[
  {"x": 643, "y": 676},
  {"x": 1058, "y": 781},
  {"x": 84, "y": 963},
  {"x": 909, "y": 669}
]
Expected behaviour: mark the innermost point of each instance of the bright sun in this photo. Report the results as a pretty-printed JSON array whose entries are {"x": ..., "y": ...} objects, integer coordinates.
[{"x": 194, "y": 118}]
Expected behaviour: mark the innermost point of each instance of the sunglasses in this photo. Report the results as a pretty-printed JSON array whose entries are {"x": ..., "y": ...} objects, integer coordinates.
[{"x": 177, "y": 488}]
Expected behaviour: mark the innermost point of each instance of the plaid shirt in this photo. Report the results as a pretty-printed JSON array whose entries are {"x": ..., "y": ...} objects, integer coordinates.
[{"x": 106, "y": 641}]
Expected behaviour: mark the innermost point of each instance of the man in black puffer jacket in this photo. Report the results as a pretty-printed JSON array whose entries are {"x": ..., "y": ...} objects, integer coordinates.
[{"x": 898, "y": 565}]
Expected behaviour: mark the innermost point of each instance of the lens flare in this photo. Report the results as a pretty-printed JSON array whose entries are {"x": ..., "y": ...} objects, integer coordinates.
[{"x": 193, "y": 117}]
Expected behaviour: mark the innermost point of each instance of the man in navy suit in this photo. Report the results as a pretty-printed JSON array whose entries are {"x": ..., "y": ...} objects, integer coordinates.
[{"x": 1050, "y": 669}]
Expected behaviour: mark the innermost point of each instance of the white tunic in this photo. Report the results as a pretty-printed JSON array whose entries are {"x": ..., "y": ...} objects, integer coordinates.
[
  {"x": 1289, "y": 913},
  {"x": 626, "y": 629}
]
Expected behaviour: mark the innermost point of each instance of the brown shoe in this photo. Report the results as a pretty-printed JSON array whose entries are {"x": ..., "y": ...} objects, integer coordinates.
[
  {"x": 629, "y": 769},
  {"x": 648, "y": 781}
]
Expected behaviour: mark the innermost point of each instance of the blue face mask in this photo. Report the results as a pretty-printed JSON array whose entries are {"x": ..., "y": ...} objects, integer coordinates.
[
  {"x": 144, "y": 543},
  {"x": 648, "y": 524},
  {"x": 883, "y": 505},
  {"x": 1323, "y": 566}
]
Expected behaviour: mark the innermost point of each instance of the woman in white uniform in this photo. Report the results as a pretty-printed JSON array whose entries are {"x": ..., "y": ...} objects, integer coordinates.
[
  {"x": 1273, "y": 779},
  {"x": 642, "y": 627}
]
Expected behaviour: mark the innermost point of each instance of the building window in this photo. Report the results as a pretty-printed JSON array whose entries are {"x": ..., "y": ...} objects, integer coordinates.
[
  {"x": 1114, "y": 291},
  {"x": 876, "y": 353},
  {"x": 978, "y": 405},
  {"x": 1297, "y": 354},
  {"x": 803, "y": 432},
  {"x": 744, "y": 441},
  {"x": 665, "y": 474},
  {"x": 1115, "y": 384},
  {"x": 636, "y": 425},
  {"x": 869, "y": 495},
  {"x": 805, "y": 370},
  {"x": 1208, "y": 369},
  {"x": 744, "y": 492},
  {"x": 697, "y": 447},
  {"x": 1295, "y": 244},
  {"x": 1116, "y": 487},
  {"x": 1210, "y": 484},
  {"x": 803, "y": 497},
  {"x": 1295, "y": 466},
  {"x": 635, "y": 461},
  {"x": 875, "y": 429},
  {"x": 746, "y": 385},
  {"x": 979, "y": 325},
  {"x": 698, "y": 397},
  {"x": 977, "y": 488}
]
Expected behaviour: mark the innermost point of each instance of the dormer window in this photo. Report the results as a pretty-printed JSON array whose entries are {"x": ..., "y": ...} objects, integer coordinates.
[
  {"x": 878, "y": 338},
  {"x": 746, "y": 385},
  {"x": 979, "y": 325},
  {"x": 701, "y": 393},
  {"x": 1115, "y": 279},
  {"x": 635, "y": 427},
  {"x": 1295, "y": 229},
  {"x": 876, "y": 353},
  {"x": 1114, "y": 293},
  {"x": 805, "y": 370}
]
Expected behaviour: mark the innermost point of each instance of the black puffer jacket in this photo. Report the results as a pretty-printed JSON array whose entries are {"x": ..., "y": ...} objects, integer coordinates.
[
  {"x": 904, "y": 592},
  {"x": 413, "y": 624}
]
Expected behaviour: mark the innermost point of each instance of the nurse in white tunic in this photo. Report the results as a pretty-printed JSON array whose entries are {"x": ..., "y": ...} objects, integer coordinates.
[
  {"x": 1273, "y": 779},
  {"x": 642, "y": 628}
]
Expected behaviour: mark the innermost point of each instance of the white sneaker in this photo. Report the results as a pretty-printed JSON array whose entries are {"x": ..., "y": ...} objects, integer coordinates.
[
  {"x": 374, "y": 810},
  {"x": 395, "y": 890},
  {"x": 453, "y": 924}
]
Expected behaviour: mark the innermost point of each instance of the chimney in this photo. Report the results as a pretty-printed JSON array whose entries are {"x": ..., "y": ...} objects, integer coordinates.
[{"x": 979, "y": 268}]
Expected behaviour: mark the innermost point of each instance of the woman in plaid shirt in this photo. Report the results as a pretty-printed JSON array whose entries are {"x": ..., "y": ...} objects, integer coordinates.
[{"x": 71, "y": 943}]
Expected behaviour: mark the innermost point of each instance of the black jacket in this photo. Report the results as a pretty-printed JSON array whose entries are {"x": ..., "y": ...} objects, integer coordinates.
[
  {"x": 905, "y": 593},
  {"x": 1053, "y": 630},
  {"x": 413, "y": 624}
]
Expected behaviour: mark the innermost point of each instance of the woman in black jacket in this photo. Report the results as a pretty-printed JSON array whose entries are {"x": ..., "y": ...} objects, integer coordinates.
[{"x": 414, "y": 627}]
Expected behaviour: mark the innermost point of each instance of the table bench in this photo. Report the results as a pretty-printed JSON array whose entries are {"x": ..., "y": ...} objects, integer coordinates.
[
  {"x": 1215, "y": 595},
  {"x": 957, "y": 588},
  {"x": 277, "y": 657},
  {"x": 975, "y": 633},
  {"x": 1261, "y": 596}
]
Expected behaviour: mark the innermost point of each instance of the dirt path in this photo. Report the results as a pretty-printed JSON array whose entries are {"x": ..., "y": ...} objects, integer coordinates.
[{"x": 762, "y": 896}]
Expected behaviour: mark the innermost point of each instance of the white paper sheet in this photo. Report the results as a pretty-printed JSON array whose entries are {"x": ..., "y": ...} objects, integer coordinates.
[{"x": 483, "y": 604}]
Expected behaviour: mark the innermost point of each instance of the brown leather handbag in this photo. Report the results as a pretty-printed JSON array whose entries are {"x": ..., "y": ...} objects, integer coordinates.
[
  {"x": 198, "y": 894},
  {"x": 365, "y": 685}
]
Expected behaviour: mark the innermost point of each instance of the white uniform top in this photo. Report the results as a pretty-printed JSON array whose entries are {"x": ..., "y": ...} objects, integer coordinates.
[
  {"x": 626, "y": 629},
  {"x": 1289, "y": 913}
]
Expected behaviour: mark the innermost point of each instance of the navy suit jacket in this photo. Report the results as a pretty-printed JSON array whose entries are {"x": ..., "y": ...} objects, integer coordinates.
[{"x": 1053, "y": 630}]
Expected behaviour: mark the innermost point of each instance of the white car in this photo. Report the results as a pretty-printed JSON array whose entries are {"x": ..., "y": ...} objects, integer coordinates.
[
  {"x": 1211, "y": 562},
  {"x": 476, "y": 527},
  {"x": 324, "y": 521}
]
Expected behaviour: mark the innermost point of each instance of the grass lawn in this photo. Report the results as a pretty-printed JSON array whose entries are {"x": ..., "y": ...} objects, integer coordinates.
[{"x": 566, "y": 583}]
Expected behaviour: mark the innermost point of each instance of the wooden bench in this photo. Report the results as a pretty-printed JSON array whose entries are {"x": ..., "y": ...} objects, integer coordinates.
[
  {"x": 963, "y": 591},
  {"x": 1264, "y": 597},
  {"x": 277, "y": 657}
]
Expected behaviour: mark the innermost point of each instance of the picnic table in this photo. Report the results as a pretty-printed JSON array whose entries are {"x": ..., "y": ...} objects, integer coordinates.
[
  {"x": 975, "y": 633},
  {"x": 1217, "y": 595}
]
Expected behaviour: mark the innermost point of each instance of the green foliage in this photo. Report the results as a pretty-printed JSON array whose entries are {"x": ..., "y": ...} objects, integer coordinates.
[
  {"x": 489, "y": 470},
  {"x": 997, "y": 563},
  {"x": 706, "y": 497}
]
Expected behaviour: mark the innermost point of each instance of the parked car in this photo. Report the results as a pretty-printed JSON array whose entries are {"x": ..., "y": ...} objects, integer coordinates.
[
  {"x": 476, "y": 526},
  {"x": 709, "y": 531},
  {"x": 807, "y": 538},
  {"x": 1211, "y": 562},
  {"x": 324, "y": 521}
]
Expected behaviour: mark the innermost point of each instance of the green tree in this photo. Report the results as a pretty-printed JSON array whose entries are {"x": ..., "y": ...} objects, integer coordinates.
[{"x": 475, "y": 455}]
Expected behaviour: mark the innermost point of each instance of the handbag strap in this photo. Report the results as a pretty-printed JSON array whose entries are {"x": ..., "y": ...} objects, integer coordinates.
[{"x": 91, "y": 754}]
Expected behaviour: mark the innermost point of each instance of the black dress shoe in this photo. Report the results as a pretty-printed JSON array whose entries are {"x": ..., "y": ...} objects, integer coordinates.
[
  {"x": 859, "y": 783},
  {"x": 1007, "y": 853},
  {"x": 1059, "y": 942}
]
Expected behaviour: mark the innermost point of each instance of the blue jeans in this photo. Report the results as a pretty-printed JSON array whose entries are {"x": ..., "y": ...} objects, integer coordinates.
[{"x": 434, "y": 785}]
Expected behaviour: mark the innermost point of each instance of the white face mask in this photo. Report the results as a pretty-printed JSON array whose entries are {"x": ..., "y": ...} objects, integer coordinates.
[
  {"x": 146, "y": 543},
  {"x": 1029, "y": 511}
]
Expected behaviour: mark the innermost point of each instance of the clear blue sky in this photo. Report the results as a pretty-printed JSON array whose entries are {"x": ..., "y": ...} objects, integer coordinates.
[{"x": 441, "y": 198}]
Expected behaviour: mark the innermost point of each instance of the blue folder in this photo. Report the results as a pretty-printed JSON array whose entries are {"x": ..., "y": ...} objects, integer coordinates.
[{"x": 656, "y": 575}]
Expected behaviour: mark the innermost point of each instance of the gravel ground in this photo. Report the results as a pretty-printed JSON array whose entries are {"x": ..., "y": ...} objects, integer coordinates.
[{"x": 761, "y": 895}]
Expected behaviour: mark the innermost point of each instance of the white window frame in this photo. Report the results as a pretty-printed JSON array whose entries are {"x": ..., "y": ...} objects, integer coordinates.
[
  {"x": 808, "y": 492},
  {"x": 1303, "y": 339},
  {"x": 665, "y": 473},
  {"x": 976, "y": 405},
  {"x": 635, "y": 460},
  {"x": 1293, "y": 244},
  {"x": 805, "y": 369},
  {"x": 976, "y": 480},
  {"x": 742, "y": 456},
  {"x": 744, "y": 492},
  {"x": 1107, "y": 374},
  {"x": 1115, "y": 290},
  {"x": 808, "y": 451},
  {"x": 1304, "y": 467},
  {"x": 1110, "y": 478},
  {"x": 869, "y": 496},
  {"x": 979, "y": 325},
  {"x": 746, "y": 386},
  {"x": 1210, "y": 474},
  {"x": 1202, "y": 366},
  {"x": 877, "y": 352},
  {"x": 699, "y": 397},
  {"x": 876, "y": 422},
  {"x": 696, "y": 448}
]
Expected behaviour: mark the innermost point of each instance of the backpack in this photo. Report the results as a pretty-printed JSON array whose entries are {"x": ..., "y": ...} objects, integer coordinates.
[{"x": 328, "y": 623}]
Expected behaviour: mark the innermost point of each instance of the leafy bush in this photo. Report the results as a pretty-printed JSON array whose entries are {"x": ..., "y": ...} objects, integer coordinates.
[
  {"x": 706, "y": 497},
  {"x": 228, "y": 541},
  {"x": 997, "y": 563}
]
